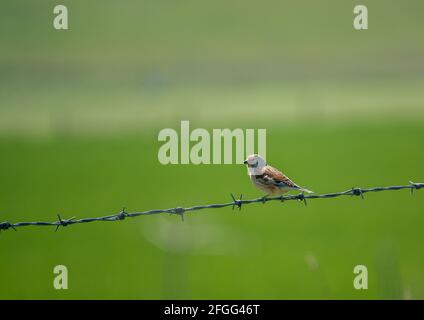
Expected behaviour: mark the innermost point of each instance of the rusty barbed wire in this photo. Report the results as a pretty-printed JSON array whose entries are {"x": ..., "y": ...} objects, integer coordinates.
[{"x": 236, "y": 203}]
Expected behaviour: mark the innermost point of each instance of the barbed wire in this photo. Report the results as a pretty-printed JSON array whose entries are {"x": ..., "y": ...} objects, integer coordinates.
[{"x": 235, "y": 203}]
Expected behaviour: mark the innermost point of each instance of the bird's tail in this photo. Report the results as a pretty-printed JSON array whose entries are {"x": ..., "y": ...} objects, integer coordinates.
[{"x": 305, "y": 190}]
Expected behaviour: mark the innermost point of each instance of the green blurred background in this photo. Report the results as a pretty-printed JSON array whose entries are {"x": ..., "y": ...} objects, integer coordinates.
[{"x": 80, "y": 111}]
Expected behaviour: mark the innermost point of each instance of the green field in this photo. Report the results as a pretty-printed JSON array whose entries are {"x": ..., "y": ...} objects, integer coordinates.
[
  {"x": 260, "y": 252},
  {"x": 80, "y": 111}
]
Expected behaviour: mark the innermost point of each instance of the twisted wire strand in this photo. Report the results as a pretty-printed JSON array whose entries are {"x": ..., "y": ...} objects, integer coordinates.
[{"x": 235, "y": 203}]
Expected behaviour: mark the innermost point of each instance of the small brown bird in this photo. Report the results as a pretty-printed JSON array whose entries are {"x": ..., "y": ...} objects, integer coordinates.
[{"x": 268, "y": 179}]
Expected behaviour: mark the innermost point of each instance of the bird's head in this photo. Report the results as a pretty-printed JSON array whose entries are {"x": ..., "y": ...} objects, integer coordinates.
[{"x": 255, "y": 161}]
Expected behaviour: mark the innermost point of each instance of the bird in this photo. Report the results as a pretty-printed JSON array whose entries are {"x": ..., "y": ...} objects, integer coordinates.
[{"x": 268, "y": 179}]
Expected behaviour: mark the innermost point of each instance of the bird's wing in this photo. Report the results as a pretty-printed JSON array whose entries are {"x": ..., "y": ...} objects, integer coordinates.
[{"x": 275, "y": 177}]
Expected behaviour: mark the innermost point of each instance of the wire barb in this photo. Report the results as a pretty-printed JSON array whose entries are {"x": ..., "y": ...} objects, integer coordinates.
[
  {"x": 357, "y": 192},
  {"x": 415, "y": 186},
  {"x": 178, "y": 211},
  {"x": 64, "y": 223},
  {"x": 237, "y": 202},
  {"x": 122, "y": 214},
  {"x": 234, "y": 203},
  {"x": 301, "y": 197},
  {"x": 6, "y": 225}
]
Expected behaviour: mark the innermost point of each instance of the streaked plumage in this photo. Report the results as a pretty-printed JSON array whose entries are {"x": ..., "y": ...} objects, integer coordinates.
[{"x": 268, "y": 179}]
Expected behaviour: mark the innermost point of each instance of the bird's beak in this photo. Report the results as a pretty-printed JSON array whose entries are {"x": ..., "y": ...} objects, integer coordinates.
[{"x": 245, "y": 161}]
